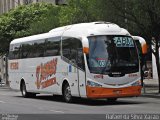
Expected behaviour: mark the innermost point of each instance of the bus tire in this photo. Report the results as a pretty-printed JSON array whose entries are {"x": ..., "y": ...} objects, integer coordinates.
[
  {"x": 112, "y": 100},
  {"x": 67, "y": 93},
  {"x": 24, "y": 92}
]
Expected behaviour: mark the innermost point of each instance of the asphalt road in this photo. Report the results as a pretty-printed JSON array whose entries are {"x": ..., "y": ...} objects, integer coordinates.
[{"x": 48, "y": 106}]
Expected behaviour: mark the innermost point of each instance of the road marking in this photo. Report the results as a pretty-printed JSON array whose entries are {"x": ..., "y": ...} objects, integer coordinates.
[
  {"x": 56, "y": 111},
  {"x": 2, "y": 102}
]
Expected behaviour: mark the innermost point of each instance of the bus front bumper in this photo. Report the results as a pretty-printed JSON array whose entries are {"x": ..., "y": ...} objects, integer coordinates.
[{"x": 100, "y": 92}]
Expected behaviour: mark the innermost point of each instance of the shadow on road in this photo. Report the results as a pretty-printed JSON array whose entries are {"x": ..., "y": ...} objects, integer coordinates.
[{"x": 89, "y": 102}]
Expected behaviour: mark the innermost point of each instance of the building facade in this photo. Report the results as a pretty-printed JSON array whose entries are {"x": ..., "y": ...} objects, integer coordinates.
[{"x": 6, "y": 5}]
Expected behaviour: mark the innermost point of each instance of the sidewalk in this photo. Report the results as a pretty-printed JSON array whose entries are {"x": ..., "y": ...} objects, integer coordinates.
[
  {"x": 150, "y": 88},
  {"x": 150, "y": 82}
]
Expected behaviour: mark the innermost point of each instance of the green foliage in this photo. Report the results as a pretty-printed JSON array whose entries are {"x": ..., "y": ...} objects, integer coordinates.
[
  {"x": 142, "y": 16},
  {"x": 48, "y": 22},
  {"x": 78, "y": 11},
  {"x": 19, "y": 22}
]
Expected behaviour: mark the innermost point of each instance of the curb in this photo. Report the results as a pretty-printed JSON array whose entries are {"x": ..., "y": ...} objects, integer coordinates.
[
  {"x": 151, "y": 95},
  {"x": 4, "y": 87},
  {"x": 151, "y": 85}
]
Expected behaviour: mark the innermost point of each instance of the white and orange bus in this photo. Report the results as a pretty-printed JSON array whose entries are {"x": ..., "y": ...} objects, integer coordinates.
[{"x": 89, "y": 60}]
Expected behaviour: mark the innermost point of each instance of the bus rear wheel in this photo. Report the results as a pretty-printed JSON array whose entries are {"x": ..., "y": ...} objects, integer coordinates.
[
  {"x": 24, "y": 92},
  {"x": 67, "y": 93}
]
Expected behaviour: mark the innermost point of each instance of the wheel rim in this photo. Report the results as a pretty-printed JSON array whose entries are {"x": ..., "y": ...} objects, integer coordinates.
[{"x": 67, "y": 93}]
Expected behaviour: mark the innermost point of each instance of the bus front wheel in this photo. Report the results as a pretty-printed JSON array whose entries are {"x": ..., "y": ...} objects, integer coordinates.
[{"x": 67, "y": 93}]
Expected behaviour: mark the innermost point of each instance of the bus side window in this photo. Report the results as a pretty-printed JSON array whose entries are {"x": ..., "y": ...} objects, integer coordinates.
[
  {"x": 69, "y": 50},
  {"x": 80, "y": 56},
  {"x": 52, "y": 47},
  {"x": 72, "y": 50},
  {"x": 32, "y": 49},
  {"x": 15, "y": 52},
  {"x": 38, "y": 49},
  {"x": 66, "y": 49},
  {"x": 25, "y": 51}
]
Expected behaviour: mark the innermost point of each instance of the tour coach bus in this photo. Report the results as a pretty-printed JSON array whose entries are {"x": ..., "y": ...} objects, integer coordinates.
[{"x": 89, "y": 60}]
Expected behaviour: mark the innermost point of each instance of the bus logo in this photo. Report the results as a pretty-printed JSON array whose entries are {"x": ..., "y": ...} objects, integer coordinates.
[
  {"x": 45, "y": 74},
  {"x": 14, "y": 66}
]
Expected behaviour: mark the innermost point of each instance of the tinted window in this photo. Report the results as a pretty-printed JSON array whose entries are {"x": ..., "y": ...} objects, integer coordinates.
[
  {"x": 72, "y": 50},
  {"x": 33, "y": 49},
  {"x": 52, "y": 46},
  {"x": 112, "y": 54},
  {"x": 38, "y": 48},
  {"x": 14, "y": 52}
]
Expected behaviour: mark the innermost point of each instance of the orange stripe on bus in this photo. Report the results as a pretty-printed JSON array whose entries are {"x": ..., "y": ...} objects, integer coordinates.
[
  {"x": 86, "y": 50},
  {"x": 100, "y": 92}
]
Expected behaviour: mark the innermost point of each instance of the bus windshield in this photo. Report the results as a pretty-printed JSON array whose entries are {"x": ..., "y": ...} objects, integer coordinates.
[{"x": 112, "y": 53}]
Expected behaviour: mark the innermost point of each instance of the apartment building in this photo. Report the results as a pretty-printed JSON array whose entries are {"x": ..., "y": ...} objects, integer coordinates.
[{"x": 6, "y": 5}]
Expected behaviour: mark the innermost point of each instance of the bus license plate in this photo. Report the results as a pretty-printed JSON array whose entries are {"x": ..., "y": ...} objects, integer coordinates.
[{"x": 117, "y": 92}]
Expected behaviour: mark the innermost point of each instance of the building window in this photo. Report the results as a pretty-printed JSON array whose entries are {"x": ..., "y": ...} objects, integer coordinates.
[{"x": 27, "y": 1}]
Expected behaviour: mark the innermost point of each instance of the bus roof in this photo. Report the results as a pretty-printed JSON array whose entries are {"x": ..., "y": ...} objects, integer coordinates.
[
  {"x": 31, "y": 38},
  {"x": 90, "y": 29},
  {"x": 78, "y": 30}
]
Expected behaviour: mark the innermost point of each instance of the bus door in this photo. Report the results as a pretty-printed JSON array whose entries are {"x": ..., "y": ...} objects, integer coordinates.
[
  {"x": 81, "y": 72},
  {"x": 69, "y": 50},
  {"x": 72, "y": 50}
]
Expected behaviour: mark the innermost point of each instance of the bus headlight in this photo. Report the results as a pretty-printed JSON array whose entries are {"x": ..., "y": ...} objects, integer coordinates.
[
  {"x": 93, "y": 84},
  {"x": 137, "y": 83}
]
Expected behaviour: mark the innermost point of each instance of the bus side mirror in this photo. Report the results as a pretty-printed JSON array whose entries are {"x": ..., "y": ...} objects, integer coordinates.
[{"x": 86, "y": 50}]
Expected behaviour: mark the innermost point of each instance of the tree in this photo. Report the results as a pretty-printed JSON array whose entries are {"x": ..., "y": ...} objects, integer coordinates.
[
  {"x": 49, "y": 21},
  {"x": 78, "y": 11},
  {"x": 18, "y": 22}
]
